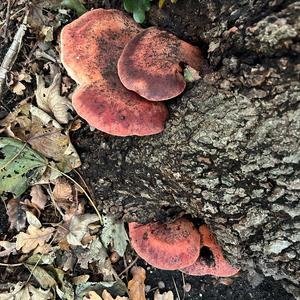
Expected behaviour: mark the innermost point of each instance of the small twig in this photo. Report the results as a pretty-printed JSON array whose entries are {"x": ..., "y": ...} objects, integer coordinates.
[
  {"x": 183, "y": 284},
  {"x": 50, "y": 193},
  {"x": 11, "y": 265},
  {"x": 176, "y": 289},
  {"x": 129, "y": 266},
  {"x": 12, "y": 53},
  {"x": 9, "y": 6}
]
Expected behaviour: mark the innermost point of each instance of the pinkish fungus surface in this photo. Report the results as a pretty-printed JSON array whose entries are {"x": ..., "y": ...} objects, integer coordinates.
[
  {"x": 212, "y": 262},
  {"x": 90, "y": 48},
  {"x": 167, "y": 246},
  {"x": 151, "y": 64}
]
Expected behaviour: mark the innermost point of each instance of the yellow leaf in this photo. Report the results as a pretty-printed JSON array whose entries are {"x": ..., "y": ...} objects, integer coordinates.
[
  {"x": 33, "y": 238},
  {"x": 136, "y": 286},
  {"x": 161, "y": 3}
]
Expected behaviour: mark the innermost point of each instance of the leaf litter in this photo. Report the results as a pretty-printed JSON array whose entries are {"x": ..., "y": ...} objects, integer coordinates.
[{"x": 53, "y": 231}]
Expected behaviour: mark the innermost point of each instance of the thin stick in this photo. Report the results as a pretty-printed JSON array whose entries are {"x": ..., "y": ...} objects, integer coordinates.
[
  {"x": 12, "y": 53},
  {"x": 176, "y": 289},
  {"x": 129, "y": 266},
  {"x": 11, "y": 265},
  {"x": 183, "y": 284},
  {"x": 9, "y": 6}
]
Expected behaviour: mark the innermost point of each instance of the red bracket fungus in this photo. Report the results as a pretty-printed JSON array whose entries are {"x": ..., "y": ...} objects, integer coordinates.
[
  {"x": 90, "y": 48},
  {"x": 167, "y": 246},
  {"x": 203, "y": 266},
  {"x": 151, "y": 64}
]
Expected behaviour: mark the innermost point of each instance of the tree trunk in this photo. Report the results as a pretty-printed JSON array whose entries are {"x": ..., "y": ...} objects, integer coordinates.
[{"x": 230, "y": 151}]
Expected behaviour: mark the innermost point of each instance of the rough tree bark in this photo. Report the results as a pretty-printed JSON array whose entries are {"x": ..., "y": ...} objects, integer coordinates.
[{"x": 230, "y": 151}]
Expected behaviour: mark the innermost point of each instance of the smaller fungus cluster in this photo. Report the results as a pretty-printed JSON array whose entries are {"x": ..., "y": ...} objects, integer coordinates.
[
  {"x": 178, "y": 245},
  {"x": 123, "y": 72}
]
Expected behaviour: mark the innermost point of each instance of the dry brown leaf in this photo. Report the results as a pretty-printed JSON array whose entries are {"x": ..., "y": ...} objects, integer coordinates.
[
  {"x": 9, "y": 248},
  {"x": 50, "y": 100},
  {"x": 79, "y": 227},
  {"x": 19, "y": 88},
  {"x": 63, "y": 191},
  {"x": 107, "y": 296},
  {"x": 16, "y": 215},
  {"x": 19, "y": 291},
  {"x": 33, "y": 238},
  {"x": 165, "y": 296},
  {"x": 92, "y": 295},
  {"x": 38, "y": 198},
  {"x": 136, "y": 286},
  {"x": 32, "y": 125}
]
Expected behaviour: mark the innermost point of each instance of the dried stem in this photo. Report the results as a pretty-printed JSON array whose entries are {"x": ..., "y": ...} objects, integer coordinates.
[{"x": 12, "y": 54}]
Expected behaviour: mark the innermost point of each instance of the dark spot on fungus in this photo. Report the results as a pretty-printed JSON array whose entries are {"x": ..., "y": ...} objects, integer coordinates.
[{"x": 211, "y": 260}]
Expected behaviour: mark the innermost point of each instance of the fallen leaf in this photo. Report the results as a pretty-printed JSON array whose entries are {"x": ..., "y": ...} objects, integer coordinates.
[
  {"x": 19, "y": 88},
  {"x": 33, "y": 237},
  {"x": 43, "y": 277},
  {"x": 33, "y": 220},
  {"x": 80, "y": 279},
  {"x": 63, "y": 190},
  {"x": 114, "y": 288},
  {"x": 50, "y": 100},
  {"x": 44, "y": 134},
  {"x": 9, "y": 248},
  {"x": 107, "y": 296},
  {"x": 41, "y": 259},
  {"x": 114, "y": 234},
  {"x": 19, "y": 291},
  {"x": 16, "y": 215},
  {"x": 94, "y": 253},
  {"x": 20, "y": 166},
  {"x": 165, "y": 296},
  {"x": 38, "y": 198},
  {"x": 92, "y": 296},
  {"x": 136, "y": 286},
  {"x": 79, "y": 228}
]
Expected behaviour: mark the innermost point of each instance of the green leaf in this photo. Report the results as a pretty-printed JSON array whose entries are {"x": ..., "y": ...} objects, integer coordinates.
[
  {"x": 20, "y": 166},
  {"x": 129, "y": 5},
  {"x": 115, "y": 234},
  {"x": 146, "y": 4},
  {"x": 139, "y": 15},
  {"x": 75, "y": 5}
]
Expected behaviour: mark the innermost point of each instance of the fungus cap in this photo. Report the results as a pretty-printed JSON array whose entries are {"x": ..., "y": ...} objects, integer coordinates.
[
  {"x": 151, "y": 64},
  {"x": 91, "y": 45},
  {"x": 166, "y": 246},
  {"x": 111, "y": 108},
  {"x": 90, "y": 48},
  {"x": 218, "y": 267}
]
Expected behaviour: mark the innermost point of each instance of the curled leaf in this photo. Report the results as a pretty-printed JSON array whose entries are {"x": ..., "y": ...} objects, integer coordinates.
[{"x": 50, "y": 100}]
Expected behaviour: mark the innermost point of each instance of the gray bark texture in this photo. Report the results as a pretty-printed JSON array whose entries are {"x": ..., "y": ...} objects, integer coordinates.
[{"x": 230, "y": 151}]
